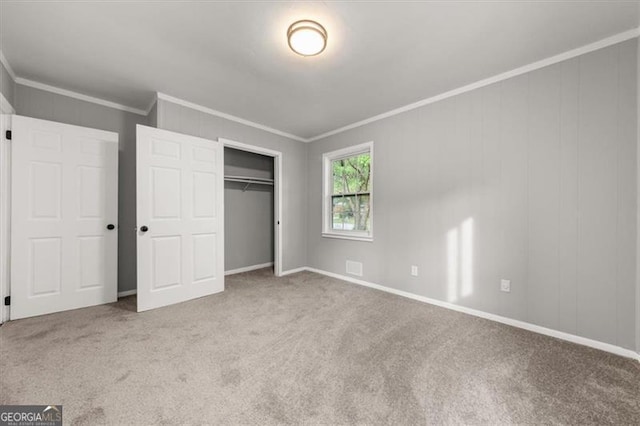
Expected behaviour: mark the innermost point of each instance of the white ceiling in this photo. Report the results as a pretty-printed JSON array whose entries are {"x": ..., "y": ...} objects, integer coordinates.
[{"x": 233, "y": 56}]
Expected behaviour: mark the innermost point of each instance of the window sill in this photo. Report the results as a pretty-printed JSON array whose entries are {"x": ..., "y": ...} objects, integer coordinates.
[{"x": 347, "y": 237}]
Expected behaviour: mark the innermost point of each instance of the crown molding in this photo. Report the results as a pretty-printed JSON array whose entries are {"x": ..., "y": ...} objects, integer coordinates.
[
  {"x": 606, "y": 42},
  {"x": 69, "y": 93},
  {"x": 79, "y": 96},
  {"x": 152, "y": 103},
  {"x": 3, "y": 61},
  {"x": 226, "y": 116},
  {"x": 5, "y": 106}
]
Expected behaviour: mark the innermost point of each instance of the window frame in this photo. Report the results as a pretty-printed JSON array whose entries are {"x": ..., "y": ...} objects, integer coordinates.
[{"x": 327, "y": 192}]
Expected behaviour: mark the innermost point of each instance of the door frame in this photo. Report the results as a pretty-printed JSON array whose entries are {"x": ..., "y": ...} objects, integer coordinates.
[
  {"x": 6, "y": 111},
  {"x": 5, "y": 213},
  {"x": 277, "y": 194}
]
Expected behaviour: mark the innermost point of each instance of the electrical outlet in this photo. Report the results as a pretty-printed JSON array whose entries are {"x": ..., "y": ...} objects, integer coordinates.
[
  {"x": 414, "y": 270},
  {"x": 505, "y": 285}
]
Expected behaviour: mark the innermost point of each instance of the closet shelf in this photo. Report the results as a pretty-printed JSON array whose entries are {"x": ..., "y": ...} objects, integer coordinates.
[{"x": 248, "y": 180}]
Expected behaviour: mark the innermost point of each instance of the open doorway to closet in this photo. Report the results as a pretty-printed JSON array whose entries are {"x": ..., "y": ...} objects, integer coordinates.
[{"x": 252, "y": 208}]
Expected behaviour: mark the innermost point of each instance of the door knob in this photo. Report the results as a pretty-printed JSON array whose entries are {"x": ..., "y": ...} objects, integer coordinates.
[
  {"x": 144, "y": 228},
  {"x": 111, "y": 226}
]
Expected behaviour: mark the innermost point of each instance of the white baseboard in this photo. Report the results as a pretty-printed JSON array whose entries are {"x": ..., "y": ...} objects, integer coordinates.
[
  {"x": 248, "y": 268},
  {"x": 294, "y": 271},
  {"x": 126, "y": 293},
  {"x": 607, "y": 347},
  {"x": 504, "y": 320}
]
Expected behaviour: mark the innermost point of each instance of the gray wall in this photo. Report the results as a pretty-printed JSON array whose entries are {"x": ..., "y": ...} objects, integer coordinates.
[
  {"x": 248, "y": 220},
  {"x": 7, "y": 86},
  {"x": 294, "y": 207},
  {"x": 37, "y": 103},
  {"x": 152, "y": 119},
  {"x": 544, "y": 164}
]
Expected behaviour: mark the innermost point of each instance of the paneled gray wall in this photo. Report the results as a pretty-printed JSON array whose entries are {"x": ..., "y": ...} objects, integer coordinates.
[
  {"x": 542, "y": 167},
  {"x": 294, "y": 209},
  {"x": 7, "y": 86},
  {"x": 248, "y": 221},
  {"x": 37, "y": 103}
]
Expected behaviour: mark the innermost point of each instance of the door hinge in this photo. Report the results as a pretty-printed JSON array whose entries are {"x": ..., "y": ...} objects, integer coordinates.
[
  {"x": 7, "y": 300},
  {"x": 8, "y": 135}
]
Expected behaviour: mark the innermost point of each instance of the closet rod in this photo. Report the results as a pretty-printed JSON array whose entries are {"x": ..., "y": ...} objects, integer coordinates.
[{"x": 248, "y": 181}]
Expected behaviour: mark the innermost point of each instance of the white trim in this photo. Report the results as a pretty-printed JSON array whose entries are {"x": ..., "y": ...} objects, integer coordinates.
[
  {"x": 69, "y": 93},
  {"x": 327, "y": 158},
  {"x": 248, "y": 268},
  {"x": 249, "y": 148},
  {"x": 294, "y": 271},
  {"x": 349, "y": 151},
  {"x": 79, "y": 96},
  {"x": 637, "y": 204},
  {"x": 228, "y": 116},
  {"x": 4, "y": 62},
  {"x": 278, "y": 193},
  {"x": 606, "y": 42},
  {"x": 492, "y": 317},
  {"x": 5, "y": 106},
  {"x": 346, "y": 236},
  {"x": 5, "y": 216},
  {"x": 151, "y": 104},
  {"x": 278, "y": 185},
  {"x": 127, "y": 293}
]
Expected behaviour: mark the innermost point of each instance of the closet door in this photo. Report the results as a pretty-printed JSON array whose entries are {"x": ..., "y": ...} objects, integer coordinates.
[
  {"x": 64, "y": 212},
  {"x": 180, "y": 223}
]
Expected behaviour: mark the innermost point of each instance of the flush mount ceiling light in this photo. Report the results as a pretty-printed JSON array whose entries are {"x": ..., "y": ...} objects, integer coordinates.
[{"x": 307, "y": 38}]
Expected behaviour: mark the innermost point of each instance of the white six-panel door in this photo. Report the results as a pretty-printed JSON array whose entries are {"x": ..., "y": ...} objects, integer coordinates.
[
  {"x": 64, "y": 196},
  {"x": 180, "y": 222}
]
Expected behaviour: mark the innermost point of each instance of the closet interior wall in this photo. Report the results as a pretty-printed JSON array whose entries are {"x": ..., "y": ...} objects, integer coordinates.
[{"x": 248, "y": 210}]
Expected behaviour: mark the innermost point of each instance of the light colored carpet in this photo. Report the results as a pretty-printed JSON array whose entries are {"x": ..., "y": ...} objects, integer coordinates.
[{"x": 306, "y": 349}]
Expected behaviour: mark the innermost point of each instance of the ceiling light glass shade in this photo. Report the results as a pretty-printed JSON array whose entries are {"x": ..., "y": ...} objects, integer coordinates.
[{"x": 307, "y": 38}]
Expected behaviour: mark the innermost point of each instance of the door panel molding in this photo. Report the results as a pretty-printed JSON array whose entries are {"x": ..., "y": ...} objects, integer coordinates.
[
  {"x": 64, "y": 192},
  {"x": 180, "y": 202}
]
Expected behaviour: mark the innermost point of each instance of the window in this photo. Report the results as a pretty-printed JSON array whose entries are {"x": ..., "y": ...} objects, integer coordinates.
[{"x": 348, "y": 193}]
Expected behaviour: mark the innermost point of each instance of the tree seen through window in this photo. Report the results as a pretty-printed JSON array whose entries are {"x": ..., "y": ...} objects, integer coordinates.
[{"x": 350, "y": 200}]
